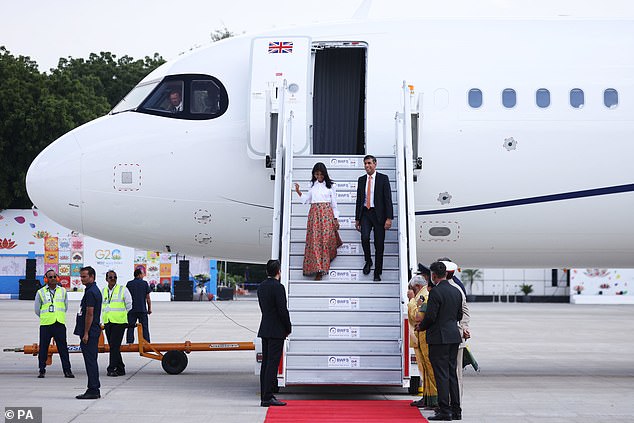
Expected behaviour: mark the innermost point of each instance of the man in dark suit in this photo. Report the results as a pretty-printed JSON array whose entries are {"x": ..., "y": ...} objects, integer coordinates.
[
  {"x": 374, "y": 211},
  {"x": 274, "y": 328},
  {"x": 444, "y": 311},
  {"x": 87, "y": 327}
]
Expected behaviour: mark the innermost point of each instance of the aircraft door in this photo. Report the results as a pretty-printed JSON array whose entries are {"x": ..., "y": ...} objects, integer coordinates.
[{"x": 273, "y": 60}]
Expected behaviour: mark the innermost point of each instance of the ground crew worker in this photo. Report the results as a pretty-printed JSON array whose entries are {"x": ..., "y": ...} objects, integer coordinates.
[
  {"x": 51, "y": 304},
  {"x": 117, "y": 301}
]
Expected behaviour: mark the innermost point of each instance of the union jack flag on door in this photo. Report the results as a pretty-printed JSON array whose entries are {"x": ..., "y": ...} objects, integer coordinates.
[{"x": 280, "y": 47}]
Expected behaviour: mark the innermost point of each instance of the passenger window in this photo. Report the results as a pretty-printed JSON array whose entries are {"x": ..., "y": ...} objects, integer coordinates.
[
  {"x": 205, "y": 97},
  {"x": 475, "y": 98},
  {"x": 577, "y": 98},
  {"x": 542, "y": 98},
  {"x": 610, "y": 98},
  {"x": 168, "y": 97},
  {"x": 509, "y": 98}
]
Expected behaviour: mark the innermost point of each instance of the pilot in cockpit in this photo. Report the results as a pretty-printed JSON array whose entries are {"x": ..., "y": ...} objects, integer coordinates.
[{"x": 176, "y": 102}]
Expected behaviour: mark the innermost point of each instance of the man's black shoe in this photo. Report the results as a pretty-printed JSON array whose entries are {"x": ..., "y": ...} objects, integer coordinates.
[
  {"x": 88, "y": 395},
  {"x": 120, "y": 372},
  {"x": 112, "y": 374},
  {"x": 367, "y": 267},
  {"x": 443, "y": 417},
  {"x": 420, "y": 403},
  {"x": 69, "y": 374},
  {"x": 41, "y": 375},
  {"x": 456, "y": 416},
  {"x": 272, "y": 403},
  {"x": 377, "y": 277}
]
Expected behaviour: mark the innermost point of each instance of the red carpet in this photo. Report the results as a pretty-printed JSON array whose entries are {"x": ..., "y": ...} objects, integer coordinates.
[{"x": 380, "y": 411}]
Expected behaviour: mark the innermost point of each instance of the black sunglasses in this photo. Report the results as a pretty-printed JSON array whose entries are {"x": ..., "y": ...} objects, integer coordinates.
[{"x": 112, "y": 278}]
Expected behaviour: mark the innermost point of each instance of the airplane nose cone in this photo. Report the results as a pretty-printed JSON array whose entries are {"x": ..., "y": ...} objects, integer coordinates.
[{"x": 53, "y": 182}]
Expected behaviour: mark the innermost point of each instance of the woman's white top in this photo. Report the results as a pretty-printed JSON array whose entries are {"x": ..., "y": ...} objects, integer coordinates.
[{"x": 319, "y": 193}]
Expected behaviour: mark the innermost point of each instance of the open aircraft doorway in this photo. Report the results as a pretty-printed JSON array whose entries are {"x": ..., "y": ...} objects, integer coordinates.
[{"x": 339, "y": 92}]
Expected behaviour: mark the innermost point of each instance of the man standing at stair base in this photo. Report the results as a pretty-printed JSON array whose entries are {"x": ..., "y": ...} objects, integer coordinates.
[
  {"x": 374, "y": 211},
  {"x": 275, "y": 326}
]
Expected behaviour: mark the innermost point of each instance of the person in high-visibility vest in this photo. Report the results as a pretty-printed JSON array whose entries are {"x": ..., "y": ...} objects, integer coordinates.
[
  {"x": 117, "y": 301},
  {"x": 51, "y": 304}
]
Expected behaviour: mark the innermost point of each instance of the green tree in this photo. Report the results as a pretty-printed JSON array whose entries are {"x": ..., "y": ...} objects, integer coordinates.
[
  {"x": 36, "y": 108},
  {"x": 108, "y": 76}
]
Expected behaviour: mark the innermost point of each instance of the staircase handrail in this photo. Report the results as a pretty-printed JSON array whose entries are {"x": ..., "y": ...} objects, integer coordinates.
[
  {"x": 409, "y": 179},
  {"x": 278, "y": 194}
]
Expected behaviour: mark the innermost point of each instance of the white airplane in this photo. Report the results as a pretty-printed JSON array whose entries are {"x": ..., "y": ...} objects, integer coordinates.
[{"x": 523, "y": 128}]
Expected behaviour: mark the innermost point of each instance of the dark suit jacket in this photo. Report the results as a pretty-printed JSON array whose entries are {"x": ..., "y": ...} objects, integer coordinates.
[
  {"x": 382, "y": 197},
  {"x": 276, "y": 322},
  {"x": 444, "y": 311}
]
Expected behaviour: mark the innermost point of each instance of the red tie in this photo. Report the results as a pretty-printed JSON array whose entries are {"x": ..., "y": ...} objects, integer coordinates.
[{"x": 369, "y": 193}]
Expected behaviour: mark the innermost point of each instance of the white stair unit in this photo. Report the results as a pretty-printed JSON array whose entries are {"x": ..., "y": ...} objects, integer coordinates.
[{"x": 347, "y": 329}]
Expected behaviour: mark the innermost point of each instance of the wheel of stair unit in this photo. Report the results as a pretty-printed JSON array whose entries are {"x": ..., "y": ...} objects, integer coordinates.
[
  {"x": 174, "y": 362},
  {"x": 414, "y": 384}
]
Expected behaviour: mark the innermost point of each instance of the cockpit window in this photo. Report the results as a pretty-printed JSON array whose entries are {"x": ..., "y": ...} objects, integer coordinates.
[
  {"x": 132, "y": 100},
  {"x": 205, "y": 97},
  {"x": 168, "y": 98},
  {"x": 187, "y": 97}
]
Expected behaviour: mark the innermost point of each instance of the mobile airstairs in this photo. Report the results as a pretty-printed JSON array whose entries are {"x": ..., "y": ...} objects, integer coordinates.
[{"x": 347, "y": 329}]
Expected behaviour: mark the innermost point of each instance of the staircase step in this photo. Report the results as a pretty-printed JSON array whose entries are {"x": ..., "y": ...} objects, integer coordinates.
[
  {"x": 338, "y": 162},
  {"x": 346, "y": 318},
  {"x": 340, "y": 184},
  {"x": 347, "y": 235},
  {"x": 344, "y": 347},
  {"x": 338, "y": 304},
  {"x": 348, "y": 275},
  {"x": 344, "y": 376},
  {"x": 345, "y": 209},
  {"x": 348, "y": 248},
  {"x": 347, "y": 262},
  {"x": 343, "y": 197},
  {"x": 345, "y": 223},
  {"x": 316, "y": 289},
  {"x": 322, "y": 332},
  {"x": 345, "y": 175}
]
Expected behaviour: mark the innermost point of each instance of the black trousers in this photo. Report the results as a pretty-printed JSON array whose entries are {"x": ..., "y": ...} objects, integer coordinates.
[
  {"x": 141, "y": 316},
  {"x": 90, "y": 351},
  {"x": 443, "y": 361},
  {"x": 114, "y": 334},
  {"x": 57, "y": 331},
  {"x": 370, "y": 222},
  {"x": 271, "y": 354}
]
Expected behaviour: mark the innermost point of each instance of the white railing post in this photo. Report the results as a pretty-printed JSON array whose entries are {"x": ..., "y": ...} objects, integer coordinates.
[
  {"x": 278, "y": 194},
  {"x": 408, "y": 160}
]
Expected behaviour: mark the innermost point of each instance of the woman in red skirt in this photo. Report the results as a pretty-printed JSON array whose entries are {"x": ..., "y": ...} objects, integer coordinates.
[{"x": 322, "y": 226}]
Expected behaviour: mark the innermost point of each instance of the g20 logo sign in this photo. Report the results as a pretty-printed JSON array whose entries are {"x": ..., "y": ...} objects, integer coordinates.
[{"x": 108, "y": 254}]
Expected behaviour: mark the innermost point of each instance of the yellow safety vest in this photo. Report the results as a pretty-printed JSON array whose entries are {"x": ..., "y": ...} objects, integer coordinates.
[
  {"x": 114, "y": 305},
  {"x": 52, "y": 309}
]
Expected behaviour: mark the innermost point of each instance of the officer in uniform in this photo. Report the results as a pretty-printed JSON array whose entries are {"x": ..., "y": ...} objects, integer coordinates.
[
  {"x": 117, "y": 301},
  {"x": 51, "y": 304},
  {"x": 88, "y": 329}
]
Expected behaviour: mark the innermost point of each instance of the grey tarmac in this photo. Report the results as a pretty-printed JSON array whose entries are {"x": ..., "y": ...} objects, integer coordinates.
[{"x": 546, "y": 363}]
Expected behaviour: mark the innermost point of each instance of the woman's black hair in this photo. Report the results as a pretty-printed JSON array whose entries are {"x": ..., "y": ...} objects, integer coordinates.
[{"x": 319, "y": 166}]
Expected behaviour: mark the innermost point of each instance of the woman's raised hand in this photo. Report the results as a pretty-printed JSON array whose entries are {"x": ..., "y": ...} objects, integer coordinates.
[{"x": 297, "y": 189}]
